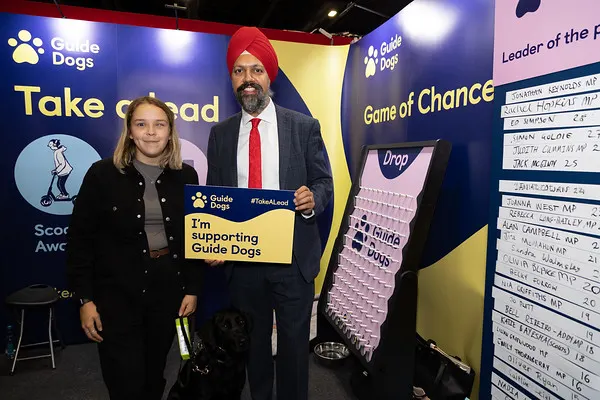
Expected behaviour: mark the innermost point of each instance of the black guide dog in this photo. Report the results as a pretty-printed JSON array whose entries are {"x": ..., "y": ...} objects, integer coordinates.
[{"x": 216, "y": 369}]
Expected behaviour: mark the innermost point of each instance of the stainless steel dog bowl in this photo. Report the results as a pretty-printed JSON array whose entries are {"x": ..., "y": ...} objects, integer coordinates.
[{"x": 331, "y": 353}]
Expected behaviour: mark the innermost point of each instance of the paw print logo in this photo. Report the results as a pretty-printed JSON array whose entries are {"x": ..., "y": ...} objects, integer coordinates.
[
  {"x": 371, "y": 62},
  {"x": 24, "y": 51},
  {"x": 525, "y": 6},
  {"x": 199, "y": 200},
  {"x": 359, "y": 237}
]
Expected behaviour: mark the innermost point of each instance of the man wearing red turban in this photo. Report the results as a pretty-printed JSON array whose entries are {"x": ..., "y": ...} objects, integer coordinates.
[{"x": 271, "y": 147}]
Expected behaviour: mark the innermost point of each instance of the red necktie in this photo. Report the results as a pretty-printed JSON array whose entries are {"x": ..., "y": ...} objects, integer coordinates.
[{"x": 255, "y": 165}]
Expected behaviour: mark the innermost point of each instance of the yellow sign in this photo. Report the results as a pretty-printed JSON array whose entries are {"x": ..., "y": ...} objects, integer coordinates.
[{"x": 236, "y": 224}]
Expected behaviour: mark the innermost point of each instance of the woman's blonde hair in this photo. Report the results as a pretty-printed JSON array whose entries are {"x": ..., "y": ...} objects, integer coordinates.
[{"x": 125, "y": 151}]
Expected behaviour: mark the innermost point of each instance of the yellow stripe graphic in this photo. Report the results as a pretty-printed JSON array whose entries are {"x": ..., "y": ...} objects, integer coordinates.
[{"x": 317, "y": 73}]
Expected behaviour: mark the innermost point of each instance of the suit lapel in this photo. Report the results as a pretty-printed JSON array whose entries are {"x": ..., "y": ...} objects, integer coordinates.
[
  {"x": 231, "y": 145},
  {"x": 284, "y": 132}
]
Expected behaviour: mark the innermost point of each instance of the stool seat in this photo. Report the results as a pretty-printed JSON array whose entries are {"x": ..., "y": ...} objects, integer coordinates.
[{"x": 32, "y": 296}]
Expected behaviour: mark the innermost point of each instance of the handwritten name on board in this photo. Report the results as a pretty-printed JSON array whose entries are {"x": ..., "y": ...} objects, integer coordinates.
[
  {"x": 506, "y": 387},
  {"x": 552, "y": 221},
  {"x": 570, "y": 332},
  {"x": 548, "y": 300},
  {"x": 537, "y": 342},
  {"x": 548, "y": 264},
  {"x": 567, "y": 119},
  {"x": 520, "y": 267},
  {"x": 569, "y": 359},
  {"x": 562, "y": 257},
  {"x": 534, "y": 387},
  {"x": 565, "y": 292},
  {"x": 583, "y": 101},
  {"x": 576, "y": 209},
  {"x": 552, "y": 365},
  {"x": 561, "y": 88},
  {"x": 564, "y": 371},
  {"x": 524, "y": 333},
  {"x": 538, "y": 375},
  {"x": 554, "y": 136},
  {"x": 568, "y": 163},
  {"x": 551, "y": 189},
  {"x": 521, "y": 257},
  {"x": 498, "y": 394},
  {"x": 549, "y": 365},
  {"x": 539, "y": 151},
  {"x": 580, "y": 242}
]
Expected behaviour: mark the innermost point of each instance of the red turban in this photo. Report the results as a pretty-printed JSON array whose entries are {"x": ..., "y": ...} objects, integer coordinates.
[{"x": 256, "y": 43}]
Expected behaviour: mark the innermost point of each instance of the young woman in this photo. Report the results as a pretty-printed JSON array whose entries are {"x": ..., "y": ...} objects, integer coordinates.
[{"x": 125, "y": 256}]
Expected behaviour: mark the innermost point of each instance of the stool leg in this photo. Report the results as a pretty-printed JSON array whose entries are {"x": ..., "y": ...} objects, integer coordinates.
[
  {"x": 22, "y": 323},
  {"x": 58, "y": 335},
  {"x": 50, "y": 337}
]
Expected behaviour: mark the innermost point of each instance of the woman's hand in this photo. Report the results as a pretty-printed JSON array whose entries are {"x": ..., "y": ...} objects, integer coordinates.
[
  {"x": 90, "y": 321},
  {"x": 188, "y": 305}
]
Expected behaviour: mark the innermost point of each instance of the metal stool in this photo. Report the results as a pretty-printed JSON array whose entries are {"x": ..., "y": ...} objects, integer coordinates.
[{"x": 31, "y": 297}]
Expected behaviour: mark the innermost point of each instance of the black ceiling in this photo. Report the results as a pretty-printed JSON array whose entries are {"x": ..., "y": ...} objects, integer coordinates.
[{"x": 297, "y": 15}]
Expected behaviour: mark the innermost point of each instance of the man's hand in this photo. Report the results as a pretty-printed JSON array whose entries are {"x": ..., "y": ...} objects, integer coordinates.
[
  {"x": 214, "y": 263},
  {"x": 90, "y": 321},
  {"x": 188, "y": 305},
  {"x": 304, "y": 200}
]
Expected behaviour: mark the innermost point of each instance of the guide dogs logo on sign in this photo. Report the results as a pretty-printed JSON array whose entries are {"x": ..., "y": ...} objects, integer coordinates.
[
  {"x": 373, "y": 239},
  {"x": 26, "y": 50},
  {"x": 384, "y": 57},
  {"x": 77, "y": 53}
]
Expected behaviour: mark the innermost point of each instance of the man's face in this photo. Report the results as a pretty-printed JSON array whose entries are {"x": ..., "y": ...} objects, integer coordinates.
[{"x": 250, "y": 83}]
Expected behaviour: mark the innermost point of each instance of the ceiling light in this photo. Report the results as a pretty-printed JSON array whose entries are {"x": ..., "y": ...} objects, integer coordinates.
[
  {"x": 428, "y": 22},
  {"x": 332, "y": 13},
  {"x": 176, "y": 46}
]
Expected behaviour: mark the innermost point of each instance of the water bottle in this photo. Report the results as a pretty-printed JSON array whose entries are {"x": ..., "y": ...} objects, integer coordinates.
[{"x": 10, "y": 343}]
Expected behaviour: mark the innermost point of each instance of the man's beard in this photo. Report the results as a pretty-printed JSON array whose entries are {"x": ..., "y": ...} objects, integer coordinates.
[{"x": 252, "y": 103}]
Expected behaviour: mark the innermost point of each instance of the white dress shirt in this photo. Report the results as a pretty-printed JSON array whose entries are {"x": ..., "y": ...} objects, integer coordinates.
[{"x": 269, "y": 148}]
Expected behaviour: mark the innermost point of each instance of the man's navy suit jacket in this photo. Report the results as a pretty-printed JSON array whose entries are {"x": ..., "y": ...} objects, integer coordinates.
[{"x": 301, "y": 163}]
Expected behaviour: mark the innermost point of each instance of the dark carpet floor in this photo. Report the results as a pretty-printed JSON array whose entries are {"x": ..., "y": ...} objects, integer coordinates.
[{"x": 77, "y": 377}]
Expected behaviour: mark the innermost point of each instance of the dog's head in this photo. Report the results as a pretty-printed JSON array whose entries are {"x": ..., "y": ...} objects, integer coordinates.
[{"x": 229, "y": 329}]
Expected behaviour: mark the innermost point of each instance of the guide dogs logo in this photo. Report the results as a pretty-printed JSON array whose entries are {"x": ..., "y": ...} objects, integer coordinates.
[
  {"x": 382, "y": 57},
  {"x": 371, "y": 62},
  {"x": 26, "y": 52},
  {"x": 199, "y": 200},
  {"x": 526, "y": 6},
  {"x": 75, "y": 53},
  {"x": 379, "y": 238},
  {"x": 359, "y": 237}
]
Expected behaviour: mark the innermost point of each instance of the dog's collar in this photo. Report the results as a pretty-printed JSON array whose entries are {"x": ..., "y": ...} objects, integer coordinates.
[
  {"x": 205, "y": 370},
  {"x": 196, "y": 368}
]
